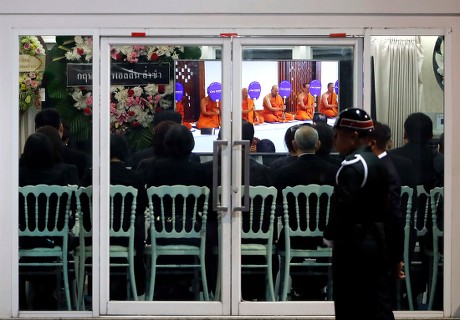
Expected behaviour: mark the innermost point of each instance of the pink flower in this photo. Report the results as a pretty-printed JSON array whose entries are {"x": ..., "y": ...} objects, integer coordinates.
[
  {"x": 34, "y": 84},
  {"x": 89, "y": 101},
  {"x": 32, "y": 75},
  {"x": 133, "y": 57},
  {"x": 135, "y": 124},
  {"x": 26, "y": 46},
  {"x": 28, "y": 81},
  {"x": 80, "y": 51},
  {"x": 87, "y": 111},
  {"x": 130, "y": 92},
  {"x": 131, "y": 113}
]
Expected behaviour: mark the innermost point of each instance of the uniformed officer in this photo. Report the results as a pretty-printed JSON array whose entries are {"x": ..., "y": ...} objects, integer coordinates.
[{"x": 358, "y": 223}]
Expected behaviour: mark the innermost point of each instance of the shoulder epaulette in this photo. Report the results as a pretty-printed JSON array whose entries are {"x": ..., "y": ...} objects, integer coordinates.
[{"x": 347, "y": 162}]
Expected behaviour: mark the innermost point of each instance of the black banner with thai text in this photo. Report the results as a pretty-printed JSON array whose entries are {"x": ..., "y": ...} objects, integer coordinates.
[{"x": 121, "y": 74}]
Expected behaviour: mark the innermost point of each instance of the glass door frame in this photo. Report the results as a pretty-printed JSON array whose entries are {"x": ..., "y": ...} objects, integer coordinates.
[
  {"x": 297, "y": 308},
  {"x": 170, "y": 308}
]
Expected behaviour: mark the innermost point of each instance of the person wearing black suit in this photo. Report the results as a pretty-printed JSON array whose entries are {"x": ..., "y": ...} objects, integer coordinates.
[
  {"x": 292, "y": 152},
  {"x": 121, "y": 175},
  {"x": 307, "y": 169},
  {"x": 380, "y": 138},
  {"x": 418, "y": 132},
  {"x": 37, "y": 165},
  {"x": 147, "y": 153},
  {"x": 51, "y": 117},
  {"x": 175, "y": 168}
]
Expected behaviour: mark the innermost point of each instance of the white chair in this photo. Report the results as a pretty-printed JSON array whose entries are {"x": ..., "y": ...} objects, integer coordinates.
[
  {"x": 305, "y": 219},
  {"x": 437, "y": 202},
  {"x": 44, "y": 214},
  {"x": 178, "y": 216},
  {"x": 257, "y": 232},
  {"x": 122, "y": 217}
]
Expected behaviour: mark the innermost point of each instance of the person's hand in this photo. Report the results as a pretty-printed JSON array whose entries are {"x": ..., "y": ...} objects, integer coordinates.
[{"x": 399, "y": 271}]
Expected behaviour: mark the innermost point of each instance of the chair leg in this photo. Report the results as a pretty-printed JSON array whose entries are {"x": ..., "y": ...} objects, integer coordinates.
[
  {"x": 409, "y": 288},
  {"x": 285, "y": 280},
  {"x": 66, "y": 284},
  {"x": 270, "y": 278},
  {"x": 152, "y": 278},
  {"x": 434, "y": 278},
  {"x": 132, "y": 278},
  {"x": 204, "y": 279}
]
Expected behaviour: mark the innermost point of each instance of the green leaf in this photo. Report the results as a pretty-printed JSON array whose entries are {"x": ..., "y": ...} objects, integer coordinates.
[{"x": 139, "y": 138}]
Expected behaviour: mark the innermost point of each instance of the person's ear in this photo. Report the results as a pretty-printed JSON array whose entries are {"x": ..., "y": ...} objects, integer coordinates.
[
  {"x": 294, "y": 145},
  {"x": 317, "y": 145}
]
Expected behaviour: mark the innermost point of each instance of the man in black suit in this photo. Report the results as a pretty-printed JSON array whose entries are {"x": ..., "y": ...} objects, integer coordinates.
[
  {"x": 307, "y": 169},
  {"x": 166, "y": 115},
  {"x": 418, "y": 131},
  {"x": 380, "y": 138},
  {"x": 51, "y": 117}
]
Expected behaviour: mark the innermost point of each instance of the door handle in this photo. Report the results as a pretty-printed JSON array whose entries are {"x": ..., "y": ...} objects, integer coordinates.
[
  {"x": 246, "y": 147},
  {"x": 215, "y": 166}
]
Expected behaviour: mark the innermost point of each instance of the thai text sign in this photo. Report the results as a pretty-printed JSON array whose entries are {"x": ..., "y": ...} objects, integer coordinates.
[
  {"x": 125, "y": 74},
  {"x": 29, "y": 63}
]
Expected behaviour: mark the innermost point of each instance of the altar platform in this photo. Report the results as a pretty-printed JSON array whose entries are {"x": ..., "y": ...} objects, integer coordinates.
[{"x": 273, "y": 131}]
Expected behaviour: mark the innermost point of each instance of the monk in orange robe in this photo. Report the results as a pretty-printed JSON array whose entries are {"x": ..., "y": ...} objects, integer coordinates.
[
  {"x": 249, "y": 112},
  {"x": 329, "y": 105},
  {"x": 305, "y": 104},
  {"x": 209, "y": 114},
  {"x": 274, "y": 107},
  {"x": 180, "y": 109}
]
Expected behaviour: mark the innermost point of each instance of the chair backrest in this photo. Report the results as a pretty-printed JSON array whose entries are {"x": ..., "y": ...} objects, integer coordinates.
[
  {"x": 423, "y": 211},
  {"x": 84, "y": 197},
  {"x": 122, "y": 211},
  {"x": 306, "y": 209},
  {"x": 178, "y": 211},
  {"x": 407, "y": 194},
  {"x": 44, "y": 211},
  {"x": 437, "y": 207},
  {"x": 257, "y": 223}
]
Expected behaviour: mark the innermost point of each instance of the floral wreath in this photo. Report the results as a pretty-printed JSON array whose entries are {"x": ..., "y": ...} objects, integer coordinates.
[
  {"x": 29, "y": 82},
  {"x": 131, "y": 106}
]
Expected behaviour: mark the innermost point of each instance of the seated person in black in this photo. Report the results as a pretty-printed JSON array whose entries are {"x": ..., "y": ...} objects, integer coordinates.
[
  {"x": 37, "y": 165},
  {"x": 307, "y": 169},
  {"x": 51, "y": 117}
]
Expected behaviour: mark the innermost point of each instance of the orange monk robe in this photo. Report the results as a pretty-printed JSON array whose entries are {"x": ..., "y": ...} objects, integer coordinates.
[
  {"x": 276, "y": 116},
  {"x": 330, "y": 112},
  {"x": 206, "y": 121},
  {"x": 307, "y": 114},
  {"x": 180, "y": 109},
  {"x": 251, "y": 116}
]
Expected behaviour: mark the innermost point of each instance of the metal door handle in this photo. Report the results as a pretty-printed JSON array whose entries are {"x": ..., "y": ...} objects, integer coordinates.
[
  {"x": 246, "y": 147},
  {"x": 215, "y": 166}
]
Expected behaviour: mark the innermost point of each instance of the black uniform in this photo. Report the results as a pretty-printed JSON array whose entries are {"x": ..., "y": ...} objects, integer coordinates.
[{"x": 358, "y": 221}]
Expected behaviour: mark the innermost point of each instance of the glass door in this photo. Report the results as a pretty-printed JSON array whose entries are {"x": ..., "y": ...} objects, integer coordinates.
[
  {"x": 165, "y": 117},
  {"x": 268, "y": 83},
  {"x": 188, "y": 247}
]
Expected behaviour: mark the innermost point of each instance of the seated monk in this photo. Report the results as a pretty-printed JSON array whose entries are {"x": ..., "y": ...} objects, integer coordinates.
[
  {"x": 180, "y": 109},
  {"x": 209, "y": 114},
  {"x": 305, "y": 104},
  {"x": 249, "y": 112},
  {"x": 329, "y": 105},
  {"x": 274, "y": 107}
]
